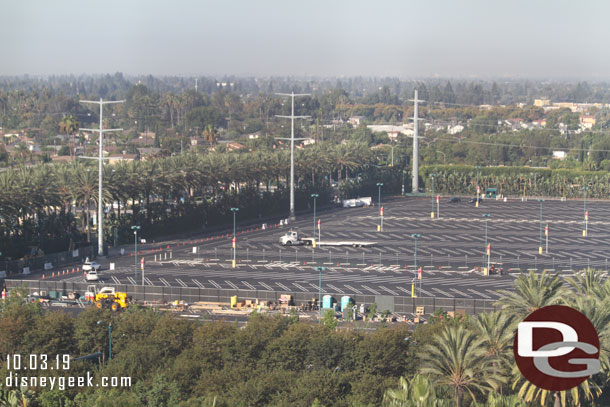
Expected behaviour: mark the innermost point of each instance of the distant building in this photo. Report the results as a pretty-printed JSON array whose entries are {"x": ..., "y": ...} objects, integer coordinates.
[
  {"x": 542, "y": 102},
  {"x": 391, "y": 130},
  {"x": 197, "y": 141},
  {"x": 148, "y": 134},
  {"x": 355, "y": 120},
  {"x": 115, "y": 158},
  {"x": 146, "y": 153},
  {"x": 455, "y": 129},
  {"x": 559, "y": 155},
  {"x": 587, "y": 121},
  {"x": 540, "y": 123},
  {"x": 566, "y": 105},
  {"x": 234, "y": 146}
]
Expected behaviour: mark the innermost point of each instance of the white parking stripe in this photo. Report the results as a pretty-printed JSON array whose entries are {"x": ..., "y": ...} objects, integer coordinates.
[
  {"x": 247, "y": 284},
  {"x": 164, "y": 281},
  {"x": 265, "y": 285},
  {"x": 182, "y": 283},
  {"x": 300, "y": 287},
  {"x": 282, "y": 286},
  {"x": 366, "y": 287},
  {"x": 340, "y": 291},
  {"x": 231, "y": 284},
  {"x": 479, "y": 294},
  {"x": 197, "y": 283},
  {"x": 446, "y": 294},
  {"x": 349, "y": 287},
  {"x": 388, "y": 290},
  {"x": 214, "y": 283}
]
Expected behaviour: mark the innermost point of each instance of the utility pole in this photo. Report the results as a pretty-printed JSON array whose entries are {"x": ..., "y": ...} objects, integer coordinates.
[
  {"x": 292, "y": 139},
  {"x": 100, "y": 204},
  {"x": 415, "y": 186}
]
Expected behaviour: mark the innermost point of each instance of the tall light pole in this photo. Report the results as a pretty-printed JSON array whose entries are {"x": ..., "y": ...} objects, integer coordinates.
[
  {"x": 109, "y": 338},
  {"x": 432, "y": 202},
  {"x": 419, "y": 276},
  {"x": 234, "y": 210},
  {"x": 478, "y": 167},
  {"x": 540, "y": 240},
  {"x": 380, "y": 227},
  {"x": 487, "y": 247},
  {"x": 292, "y": 139},
  {"x": 586, "y": 213},
  {"x": 415, "y": 185},
  {"x": 135, "y": 253},
  {"x": 100, "y": 202},
  {"x": 320, "y": 269},
  {"x": 314, "y": 196}
]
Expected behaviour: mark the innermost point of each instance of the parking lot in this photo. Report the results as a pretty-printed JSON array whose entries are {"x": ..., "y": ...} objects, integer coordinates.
[{"x": 450, "y": 251}]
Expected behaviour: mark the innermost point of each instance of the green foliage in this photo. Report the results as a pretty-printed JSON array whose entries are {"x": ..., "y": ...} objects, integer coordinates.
[{"x": 329, "y": 319}]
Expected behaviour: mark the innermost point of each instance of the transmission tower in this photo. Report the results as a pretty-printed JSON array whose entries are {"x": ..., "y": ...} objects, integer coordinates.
[
  {"x": 292, "y": 139},
  {"x": 100, "y": 207}
]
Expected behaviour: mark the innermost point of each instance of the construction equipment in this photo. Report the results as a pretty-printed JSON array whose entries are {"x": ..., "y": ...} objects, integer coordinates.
[{"x": 109, "y": 299}]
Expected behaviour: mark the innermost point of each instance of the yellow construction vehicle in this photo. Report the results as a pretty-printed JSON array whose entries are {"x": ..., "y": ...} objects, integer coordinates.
[{"x": 108, "y": 298}]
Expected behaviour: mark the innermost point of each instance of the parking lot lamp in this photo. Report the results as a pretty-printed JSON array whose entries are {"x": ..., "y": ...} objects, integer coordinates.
[
  {"x": 234, "y": 210},
  {"x": 380, "y": 227},
  {"x": 314, "y": 196},
  {"x": 478, "y": 167},
  {"x": 540, "y": 240},
  {"x": 320, "y": 269},
  {"x": 487, "y": 248},
  {"x": 586, "y": 213},
  {"x": 109, "y": 338},
  {"x": 433, "y": 195},
  {"x": 416, "y": 236},
  {"x": 135, "y": 252}
]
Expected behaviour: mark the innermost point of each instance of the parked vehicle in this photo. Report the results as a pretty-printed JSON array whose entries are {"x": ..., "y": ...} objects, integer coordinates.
[
  {"x": 454, "y": 200},
  {"x": 292, "y": 238},
  {"x": 91, "y": 265},
  {"x": 91, "y": 276},
  {"x": 357, "y": 202}
]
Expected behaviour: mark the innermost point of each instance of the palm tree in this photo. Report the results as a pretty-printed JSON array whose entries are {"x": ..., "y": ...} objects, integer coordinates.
[
  {"x": 458, "y": 358},
  {"x": 69, "y": 125},
  {"x": 86, "y": 192},
  {"x": 498, "y": 400},
  {"x": 417, "y": 392},
  {"x": 532, "y": 292},
  {"x": 496, "y": 329}
]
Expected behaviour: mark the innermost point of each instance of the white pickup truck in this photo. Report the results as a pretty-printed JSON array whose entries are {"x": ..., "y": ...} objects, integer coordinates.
[
  {"x": 292, "y": 238},
  {"x": 357, "y": 202}
]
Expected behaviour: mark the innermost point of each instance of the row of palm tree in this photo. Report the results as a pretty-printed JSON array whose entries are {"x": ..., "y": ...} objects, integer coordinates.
[
  {"x": 33, "y": 193},
  {"x": 471, "y": 359},
  {"x": 519, "y": 180}
]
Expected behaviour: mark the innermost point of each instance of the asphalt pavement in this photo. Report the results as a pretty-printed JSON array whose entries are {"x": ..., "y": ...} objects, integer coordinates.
[{"x": 451, "y": 250}]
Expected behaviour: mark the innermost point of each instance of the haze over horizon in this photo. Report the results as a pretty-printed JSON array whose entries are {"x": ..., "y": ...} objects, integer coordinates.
[{"x": 468, "y": 39}]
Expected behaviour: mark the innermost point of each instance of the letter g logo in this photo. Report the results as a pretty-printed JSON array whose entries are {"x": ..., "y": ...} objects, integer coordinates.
[{"x": 553, "y": 344}]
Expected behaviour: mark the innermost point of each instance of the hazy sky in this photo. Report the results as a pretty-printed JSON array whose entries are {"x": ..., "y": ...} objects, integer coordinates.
[{"x": 425, "y": 38}]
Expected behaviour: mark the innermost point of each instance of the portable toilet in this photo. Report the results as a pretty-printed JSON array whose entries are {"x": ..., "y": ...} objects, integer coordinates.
[
  {"x": 491, "y": 193},
  {"x": 233, "y": 301},
  {"x": 345, "y": 300},
  {"x": 328, "y": 301}
]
